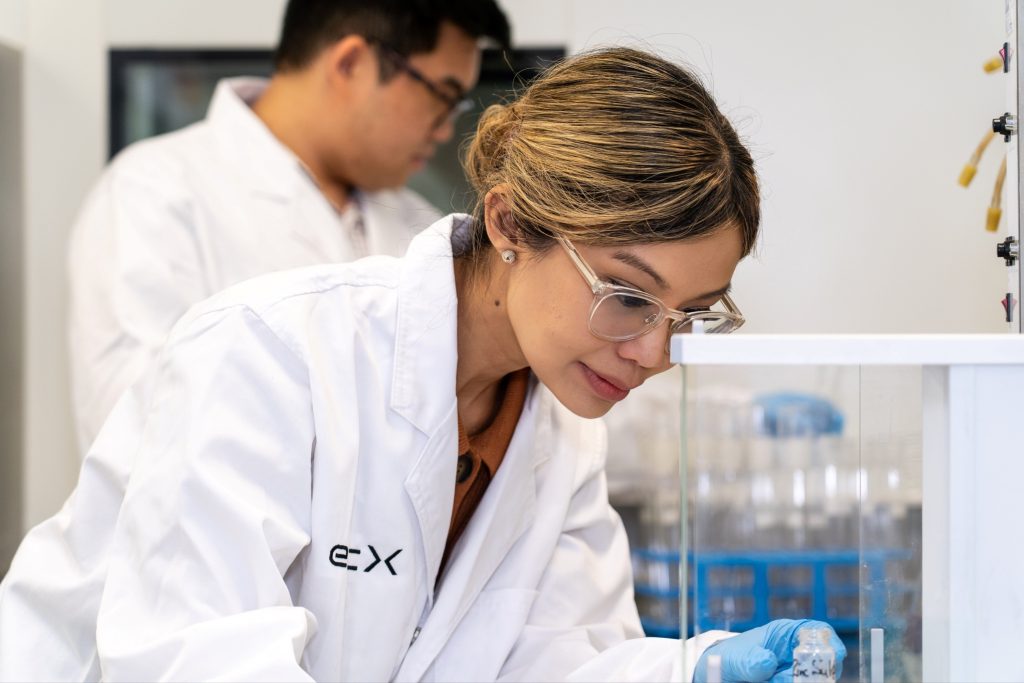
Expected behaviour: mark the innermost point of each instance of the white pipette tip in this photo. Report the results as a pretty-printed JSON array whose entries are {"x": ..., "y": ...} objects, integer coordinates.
[
  {"x": 714, "y": 669},
  {"x": 877, "y": 655}
]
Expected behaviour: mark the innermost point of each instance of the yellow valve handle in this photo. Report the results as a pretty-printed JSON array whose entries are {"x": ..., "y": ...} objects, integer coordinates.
[
  {"x": 971, "y": 167},
  {"x": 994, "y": 211},
  {"x": 994, "y": 64},
  {"x": 967, "y": 175},
  {"x": 992, "y": 221}
]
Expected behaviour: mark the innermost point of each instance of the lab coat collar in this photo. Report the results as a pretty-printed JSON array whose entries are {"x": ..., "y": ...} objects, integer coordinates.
[
  {"x": 273, "y": 170},
  {"x": 426, "y": 338}
]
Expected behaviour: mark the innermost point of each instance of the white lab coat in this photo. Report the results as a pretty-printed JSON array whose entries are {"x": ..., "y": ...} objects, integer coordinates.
[
  {"x": 271, "y": 502},
  {"x": 177, "y": 218}
]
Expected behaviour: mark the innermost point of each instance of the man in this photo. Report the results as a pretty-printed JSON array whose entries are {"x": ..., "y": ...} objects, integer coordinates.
[{"x": 298, "y": 171}]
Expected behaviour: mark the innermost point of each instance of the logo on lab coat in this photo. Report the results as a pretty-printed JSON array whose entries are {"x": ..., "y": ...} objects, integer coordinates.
[{"x": 341, "y": 556}]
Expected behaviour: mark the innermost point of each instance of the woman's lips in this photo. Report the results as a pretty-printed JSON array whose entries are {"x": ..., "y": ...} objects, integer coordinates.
[{"x": 602, "y": 387}]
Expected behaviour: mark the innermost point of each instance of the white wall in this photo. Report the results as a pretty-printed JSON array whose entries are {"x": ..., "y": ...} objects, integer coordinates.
[
  {"x": 255, "y": 23},
  {"x": 539, "y": 23},
  {"x": 64, "y": 124},
  {"x": 186, "y": 23},
  {"x": 861, "y": 116},
  {"x": 13, "y": 22}
]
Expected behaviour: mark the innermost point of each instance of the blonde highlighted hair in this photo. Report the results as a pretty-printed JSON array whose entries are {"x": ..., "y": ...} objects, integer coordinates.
[{"x": 614, "y": 146}]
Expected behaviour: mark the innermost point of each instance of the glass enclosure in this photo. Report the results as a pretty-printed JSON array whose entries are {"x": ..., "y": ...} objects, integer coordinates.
[
  {"x": 804, "y": 501},
  {"x": 868, "y": 481}
]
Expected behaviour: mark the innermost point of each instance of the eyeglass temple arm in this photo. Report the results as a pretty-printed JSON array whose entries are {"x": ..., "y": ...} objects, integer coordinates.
[
  {"x": 589, "y": 275},
  {"x": 730, "y": 308}
]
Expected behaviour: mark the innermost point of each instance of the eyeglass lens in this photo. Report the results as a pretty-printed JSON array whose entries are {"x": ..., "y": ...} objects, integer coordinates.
[{"x": 620, "y": 315}]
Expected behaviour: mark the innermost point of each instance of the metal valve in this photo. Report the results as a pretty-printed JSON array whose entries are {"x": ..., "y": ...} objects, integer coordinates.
[
  {"x": 1005, "y": 125},
  {"x": 1008, "y": 250}
]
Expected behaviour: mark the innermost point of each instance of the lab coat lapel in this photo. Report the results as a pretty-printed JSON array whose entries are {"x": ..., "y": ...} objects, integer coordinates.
[
  {"x": 423, "y": 392},
  {"x": 426, "y": 342},
  {"x": 260, "y": 159},
  {"x": 275, "y": 176},
  {"x": 423, "y": 388},
  {"x": 505, "y": 513},
  {"x": 430, "y": 486}
]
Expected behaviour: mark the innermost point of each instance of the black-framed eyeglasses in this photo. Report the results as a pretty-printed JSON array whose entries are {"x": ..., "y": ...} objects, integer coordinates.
[{"x": 454, "y": 105}]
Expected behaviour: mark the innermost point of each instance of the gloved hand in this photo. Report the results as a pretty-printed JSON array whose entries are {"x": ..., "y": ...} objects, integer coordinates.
[{"x": 764, "y": 653}]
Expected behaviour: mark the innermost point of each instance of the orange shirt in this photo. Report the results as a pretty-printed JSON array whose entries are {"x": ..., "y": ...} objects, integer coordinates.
[{"x": 481, "y": 454}]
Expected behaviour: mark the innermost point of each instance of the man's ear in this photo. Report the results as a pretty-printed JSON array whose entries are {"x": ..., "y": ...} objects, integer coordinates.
[
  {"x": 501, "y": 227},
  {"x": 350, "y": 57}
]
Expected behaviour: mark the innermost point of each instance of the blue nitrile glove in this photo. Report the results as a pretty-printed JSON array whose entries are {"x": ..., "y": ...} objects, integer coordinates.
[{"x": 764, "y": 653}]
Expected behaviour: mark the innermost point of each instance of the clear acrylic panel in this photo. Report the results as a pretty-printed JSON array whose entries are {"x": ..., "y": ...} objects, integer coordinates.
[{"x": 803, "y": 500}]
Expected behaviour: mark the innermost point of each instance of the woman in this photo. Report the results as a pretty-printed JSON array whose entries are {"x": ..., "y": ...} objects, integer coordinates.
[{"x": 379, "y": 470}]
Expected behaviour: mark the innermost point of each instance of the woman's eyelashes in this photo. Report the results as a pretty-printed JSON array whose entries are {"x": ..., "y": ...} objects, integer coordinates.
[
  {"x": 622, "y": 283},
  {"x": 691, "y": 308}
]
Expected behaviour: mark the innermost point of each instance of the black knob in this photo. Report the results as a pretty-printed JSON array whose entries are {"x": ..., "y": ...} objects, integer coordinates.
[
  {"x": 1008, "y": 250},
  {"x": 1005, "y": 125}
]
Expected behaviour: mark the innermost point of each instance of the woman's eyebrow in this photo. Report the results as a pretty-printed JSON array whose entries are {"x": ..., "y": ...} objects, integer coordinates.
[{"x": 640, "y": 264}]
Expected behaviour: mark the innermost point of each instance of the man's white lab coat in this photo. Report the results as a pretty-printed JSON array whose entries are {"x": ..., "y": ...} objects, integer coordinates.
[
  {"x": 287, "y": 471},
  {"x": 177, "y": 218}
]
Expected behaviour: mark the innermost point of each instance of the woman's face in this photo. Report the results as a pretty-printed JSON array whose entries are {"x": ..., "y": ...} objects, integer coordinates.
[{"x": 549, "y": 306}]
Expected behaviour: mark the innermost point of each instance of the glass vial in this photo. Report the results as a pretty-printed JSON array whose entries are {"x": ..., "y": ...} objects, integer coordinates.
[{"x": 814, "y": 660}]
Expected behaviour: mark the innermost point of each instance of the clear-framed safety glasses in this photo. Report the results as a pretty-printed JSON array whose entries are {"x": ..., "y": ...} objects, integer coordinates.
[{"x": 620, "y": 313}]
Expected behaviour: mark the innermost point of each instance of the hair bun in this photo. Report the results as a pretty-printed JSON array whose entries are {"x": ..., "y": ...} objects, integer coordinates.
[{"x": 486, "y": 152}]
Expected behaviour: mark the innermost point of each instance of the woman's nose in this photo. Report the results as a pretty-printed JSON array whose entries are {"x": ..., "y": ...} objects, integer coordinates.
[{"x": 648, "y": 350}]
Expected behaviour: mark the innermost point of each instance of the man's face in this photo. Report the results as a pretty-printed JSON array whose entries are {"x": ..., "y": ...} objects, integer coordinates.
[{"x": 400, "y": 123}]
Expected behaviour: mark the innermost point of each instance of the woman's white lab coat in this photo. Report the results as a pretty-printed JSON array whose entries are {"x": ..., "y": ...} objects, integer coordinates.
[
  {"x": 177, "y": 218},
  {"x": 292, "y": 466}
]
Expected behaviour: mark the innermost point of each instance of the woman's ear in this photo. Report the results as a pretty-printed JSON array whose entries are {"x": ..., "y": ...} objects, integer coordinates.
[{"x": 501, "y": 229}]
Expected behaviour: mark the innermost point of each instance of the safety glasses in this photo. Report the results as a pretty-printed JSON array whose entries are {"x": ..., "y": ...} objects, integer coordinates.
[{"x": 620, "y": 313}]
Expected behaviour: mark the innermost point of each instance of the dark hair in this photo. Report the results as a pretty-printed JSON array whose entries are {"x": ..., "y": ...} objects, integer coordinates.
[{"x": 407, "y": 26}]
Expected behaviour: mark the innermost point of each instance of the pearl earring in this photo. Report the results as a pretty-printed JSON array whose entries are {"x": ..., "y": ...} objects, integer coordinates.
[{"x": 508, "y": 256}]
